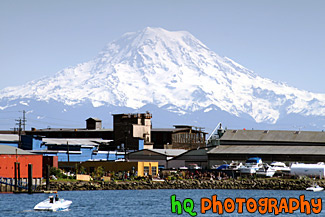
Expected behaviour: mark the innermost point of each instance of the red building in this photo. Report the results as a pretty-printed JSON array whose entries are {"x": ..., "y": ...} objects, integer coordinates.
[
  {"x": 9, "y": 155},
  {"x": 52, "y": 161}
]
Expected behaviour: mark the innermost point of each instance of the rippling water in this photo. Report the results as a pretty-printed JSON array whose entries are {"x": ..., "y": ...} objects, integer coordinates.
[{"x": 139, "y": 202}]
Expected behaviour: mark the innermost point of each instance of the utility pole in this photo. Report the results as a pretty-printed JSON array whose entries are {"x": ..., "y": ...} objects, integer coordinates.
[
  {"x": 24, "y": 120},
  {"x": 19, "y": 131}
]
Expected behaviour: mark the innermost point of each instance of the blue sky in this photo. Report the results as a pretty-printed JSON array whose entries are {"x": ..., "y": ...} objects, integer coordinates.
[{"x": 280, "y": 40}]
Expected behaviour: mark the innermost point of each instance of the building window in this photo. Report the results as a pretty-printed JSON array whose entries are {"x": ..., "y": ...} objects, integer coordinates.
[
  {"x": 154, "y": 171},
  {"x": 146, "y": 171}
]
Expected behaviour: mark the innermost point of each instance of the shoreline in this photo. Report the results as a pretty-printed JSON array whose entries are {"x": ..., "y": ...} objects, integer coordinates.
[{"x": 256, "y": 184}]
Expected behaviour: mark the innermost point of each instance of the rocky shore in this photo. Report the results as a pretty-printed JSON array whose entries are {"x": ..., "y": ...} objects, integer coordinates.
[{"x": 266, "y": 184}]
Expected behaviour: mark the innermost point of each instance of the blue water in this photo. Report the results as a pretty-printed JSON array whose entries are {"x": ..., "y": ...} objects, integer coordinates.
[{"x": 139, "y": 203}]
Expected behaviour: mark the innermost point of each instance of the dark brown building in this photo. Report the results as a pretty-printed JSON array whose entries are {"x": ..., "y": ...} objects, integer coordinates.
[
  {"x": 129, "y": 129},
  {"x": 94, "y": 124},
  {"x": 180, "y": 137}
]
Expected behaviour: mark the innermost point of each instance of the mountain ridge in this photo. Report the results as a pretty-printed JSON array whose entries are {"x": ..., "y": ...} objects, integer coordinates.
[{"x": 174, "y": 71}]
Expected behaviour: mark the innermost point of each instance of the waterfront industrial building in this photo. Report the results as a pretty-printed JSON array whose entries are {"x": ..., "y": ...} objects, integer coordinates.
[
  {"x": 10, "y": 155},
  {"x": 270, "y": 145},
  {"x": 182, "y": 145},
  {"x": 162, "y": 156},
  {"x": 135, "y": 168},
  {"x": 180, "y": 137}
]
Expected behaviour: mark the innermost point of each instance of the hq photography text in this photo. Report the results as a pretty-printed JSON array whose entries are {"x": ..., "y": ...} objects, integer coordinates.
[{"x": 251, "y": 205}]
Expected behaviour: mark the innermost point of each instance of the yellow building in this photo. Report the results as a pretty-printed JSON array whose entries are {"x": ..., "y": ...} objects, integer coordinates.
[{"x": 142, "y": 168}]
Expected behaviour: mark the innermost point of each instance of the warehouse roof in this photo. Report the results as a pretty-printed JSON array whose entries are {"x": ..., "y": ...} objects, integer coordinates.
[
  {"x": 274, "y": 136},
  {"x": 166, "y": 152},
  {"x": 59, "y": 141},
  {"x": 268, "y": 149},
  {"x": 6, "y": 149},
  {"x": 169, "y": 152},
  {"x": 9, "y": 138}
]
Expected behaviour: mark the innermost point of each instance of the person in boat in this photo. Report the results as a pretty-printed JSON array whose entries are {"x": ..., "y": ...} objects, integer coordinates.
[
  {"x": 51, "y": 199},
  {"x": 56, "y": 197}
]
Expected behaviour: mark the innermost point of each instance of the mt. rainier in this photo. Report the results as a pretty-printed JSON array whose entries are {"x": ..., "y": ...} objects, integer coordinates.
[{"x": 173, "y": 73}]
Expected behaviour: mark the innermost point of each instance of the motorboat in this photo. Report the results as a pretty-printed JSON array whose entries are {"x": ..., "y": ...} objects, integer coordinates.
[
  {"x": 280, "y": 167},
  {"x": 235, "y": 165},
  {"x": 251, "y": 165},
  {"x": 315, "y": 188},
  {"x": 266, "y": 170},
  {"x": 53, "y": 204}
]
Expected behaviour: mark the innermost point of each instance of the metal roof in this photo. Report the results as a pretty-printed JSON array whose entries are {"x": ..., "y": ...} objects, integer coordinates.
[
  {"x": 166, "y": 152},
  {"x": 55, "y": 152},
  {"x": 175, "y": 130},
  {"x": 169, "y": 152},
  {"x": 71, "y": 129},
  {"x": 6, "y": 149},
  {"x": 82, "y": 142},
  {"x": 268, "y": 149},
  {"x": 9, "y": 138},
  {"x": 201, "y": 152},
  {"x": 274, "y": 136},
  {"x": 162, "y": 129},
  {"x": 95, "y": 119}
]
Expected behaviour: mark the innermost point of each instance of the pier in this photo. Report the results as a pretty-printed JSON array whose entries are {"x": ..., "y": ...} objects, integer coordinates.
[{"x": 21, "y": 185}]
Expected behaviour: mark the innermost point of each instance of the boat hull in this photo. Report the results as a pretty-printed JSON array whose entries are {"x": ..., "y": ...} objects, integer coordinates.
[
  {"x": 315, "y": 189},
  {"x": 60, "y": 205}
]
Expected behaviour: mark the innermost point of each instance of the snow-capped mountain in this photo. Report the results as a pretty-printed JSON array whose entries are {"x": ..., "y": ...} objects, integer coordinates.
[{"x": 173, "y": 72}]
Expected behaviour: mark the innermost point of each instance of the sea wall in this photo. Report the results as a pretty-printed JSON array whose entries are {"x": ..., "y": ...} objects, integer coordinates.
[{"x": 267, "y": 184}]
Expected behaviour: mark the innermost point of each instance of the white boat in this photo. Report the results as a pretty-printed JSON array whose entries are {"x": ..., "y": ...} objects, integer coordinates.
[
  {"x": 235, "y": 165},
  {"x": 251, "y": 165},
  {"x": 50, "y": 204},
  {"x": 266, "y": 170},
  {"x": 310, "y": 170},
  {"x": 280, "y": 167},
  {"x": 315, "y": 188}
]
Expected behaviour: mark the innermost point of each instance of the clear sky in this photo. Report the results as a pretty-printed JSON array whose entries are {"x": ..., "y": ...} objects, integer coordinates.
[{"x": 280, "y": 40}]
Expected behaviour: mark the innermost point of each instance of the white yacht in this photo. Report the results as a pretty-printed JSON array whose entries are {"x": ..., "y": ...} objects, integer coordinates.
[
  {"x": 251, "y": 165},
  {"x": 266, "y": 170},
  {"x": 280, "y": 167},
  {"x": 235, "y": 165}
]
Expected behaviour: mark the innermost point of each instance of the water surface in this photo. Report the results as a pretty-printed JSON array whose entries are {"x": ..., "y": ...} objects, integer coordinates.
[{"x": 139, "y": 203}]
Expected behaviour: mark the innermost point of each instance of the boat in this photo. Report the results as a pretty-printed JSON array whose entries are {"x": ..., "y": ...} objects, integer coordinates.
[
  {"x": 251, "y": 165},
  {"x": 53, "y": 204},
  {"x": 280, "y": 167},
  {"x": 223, "y": 167},
  {"x": 235, "y": 165},
  {"x": 314, "y": 188},
  {"x": 266, "y": 170},
  {"x": 309, "y": 170}
]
